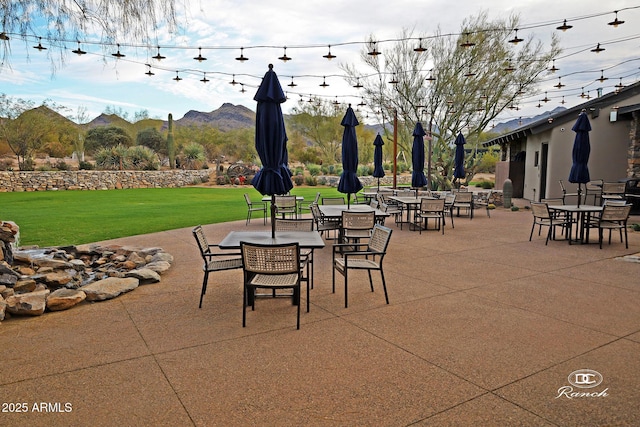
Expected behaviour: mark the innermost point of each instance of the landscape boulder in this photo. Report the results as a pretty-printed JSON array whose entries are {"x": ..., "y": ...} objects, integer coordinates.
[
  {"x": 29, "y": 304},
  {"x": 63, "y": 299},
  {"x": 109, "y": 288}
]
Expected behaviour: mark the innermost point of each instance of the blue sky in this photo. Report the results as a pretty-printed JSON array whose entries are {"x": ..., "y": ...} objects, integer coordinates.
[{"x": 97, "y": 80}]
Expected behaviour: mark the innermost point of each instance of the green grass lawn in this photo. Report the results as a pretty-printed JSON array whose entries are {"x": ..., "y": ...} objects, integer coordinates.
[{"x": 58, "y": 218}]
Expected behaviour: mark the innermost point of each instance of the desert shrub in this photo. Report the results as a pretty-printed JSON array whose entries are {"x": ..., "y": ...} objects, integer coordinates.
[
  {"x": 311, "y": 181},
  {"x": 193, "y": 156},
  {"x": 61, "y": 165},
  {"x": 28, "y": 165},
  {"x": 365, "y": 170},
  {"x": 142, "y": 158},
  {"x": 6, "y": 165},
  {"x": 314, "y": 170},
  {"x": 82, "y": 165},
  {"x": 487, "y": 163},
  {"x": 113, "y": 158},
  {"x": 298, "y": 179}
]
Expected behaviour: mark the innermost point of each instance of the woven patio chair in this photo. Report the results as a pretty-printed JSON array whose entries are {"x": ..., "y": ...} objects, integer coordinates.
[
  {"x": 270, "y": 267},
  {"x": 357, "y": 225},
  {"x": 213, "y": 260},
  {"x": 306, "y": 254},
  {"x": 431, "y": 209},
  {"x": 542, "y": 217},
  {"x": 324, "y": 224},
  {"x": 362, "y": 256},
  {"x": 286, "y": 205},
  {"x": 614, "y": 217},
  {"x": 333, "y": 201},
  {"x": 255, "y": 207}
]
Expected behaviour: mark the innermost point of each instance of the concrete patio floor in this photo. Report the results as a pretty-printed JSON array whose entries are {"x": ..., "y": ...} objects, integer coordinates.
[{"x": 483, "y": 329}]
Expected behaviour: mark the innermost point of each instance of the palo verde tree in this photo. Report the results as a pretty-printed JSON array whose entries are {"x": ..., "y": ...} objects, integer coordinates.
[
  {"x": 456, "y": 83},
  {"x": 25, "y": 129},
  {"x": 319, "y": 121}
]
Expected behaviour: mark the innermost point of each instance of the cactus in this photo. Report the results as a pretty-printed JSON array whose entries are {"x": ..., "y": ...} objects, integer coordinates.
[
  {"x": 171, "y": 149},
  {"x": 507, "y": 192}
]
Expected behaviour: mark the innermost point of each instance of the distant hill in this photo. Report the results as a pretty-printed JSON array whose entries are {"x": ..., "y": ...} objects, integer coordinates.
[
  {"x": 510, "y": 125},
  {"x": 108, "y": 120},
  {"x": 227, "y": 117},
  {"x": 230, "y": 117}
]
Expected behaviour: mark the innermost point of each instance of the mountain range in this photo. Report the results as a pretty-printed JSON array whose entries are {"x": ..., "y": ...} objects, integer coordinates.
[{"x": 230, "y": 117}]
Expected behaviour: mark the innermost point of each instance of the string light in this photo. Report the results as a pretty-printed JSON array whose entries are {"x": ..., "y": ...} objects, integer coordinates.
[
  {"x": 118, "y": 55},
  {"x": 516, "y": 39},
  {"x": 242, "y": 58},
  {"x": 329, "y": 56},
  {"x": 78, "y": 51},
  {"x": 200, "y": 58},
  {"x": 158, "y": 57},
  {"x": 284, "y": 58},
  {"x": 564, "y": 27},
  {"x": 616, "y": 21},
  {"x": 40, "y": 47}
]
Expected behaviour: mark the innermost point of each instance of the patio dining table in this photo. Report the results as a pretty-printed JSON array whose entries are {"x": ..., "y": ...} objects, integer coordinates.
[
  {"x": 581, "y": 216},
  {"x": 411, "y": 204},
  {"x": 306, "y": 239},
  {"x": 335, "y": 211}
]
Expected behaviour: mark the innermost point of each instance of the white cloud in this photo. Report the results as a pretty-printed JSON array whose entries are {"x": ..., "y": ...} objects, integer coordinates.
[{"x": 226, "y": 25}]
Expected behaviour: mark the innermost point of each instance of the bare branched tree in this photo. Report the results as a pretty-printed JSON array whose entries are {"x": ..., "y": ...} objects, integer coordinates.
[{"x": 459, "y": 84}]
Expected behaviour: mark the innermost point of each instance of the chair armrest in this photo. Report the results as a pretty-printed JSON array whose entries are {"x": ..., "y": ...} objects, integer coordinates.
[
  {"x": 350, "y": 245},
  {"x": 226, "y": 253},
  {"x": 352, "y": 253}
]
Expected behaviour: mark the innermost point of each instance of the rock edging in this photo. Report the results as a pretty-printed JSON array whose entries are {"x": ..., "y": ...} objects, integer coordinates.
[{"x": 55, "y": 279}]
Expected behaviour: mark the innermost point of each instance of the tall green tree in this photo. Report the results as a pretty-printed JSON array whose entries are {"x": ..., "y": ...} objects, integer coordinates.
[
  {"x": 106, "y": 137},
  {"x": 23, "y": 128},
  {"x": 152, "y": 138},
  {"x": 460, "y": 85}
]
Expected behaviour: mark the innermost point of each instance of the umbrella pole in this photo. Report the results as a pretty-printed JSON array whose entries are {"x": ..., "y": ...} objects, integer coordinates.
[
  {"x": 579, "y": 194},
  {"x": 378, "y": 185},
  {"x": 273, "y": 216},
  {"x": 348, "y": 199}
]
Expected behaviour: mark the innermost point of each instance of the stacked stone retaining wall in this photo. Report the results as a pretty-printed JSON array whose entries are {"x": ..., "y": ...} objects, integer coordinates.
[{"x": 98, "y": 180}]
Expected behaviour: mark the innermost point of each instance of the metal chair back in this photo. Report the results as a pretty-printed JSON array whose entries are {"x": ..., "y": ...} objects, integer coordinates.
[{"x": 333, "y": 201}]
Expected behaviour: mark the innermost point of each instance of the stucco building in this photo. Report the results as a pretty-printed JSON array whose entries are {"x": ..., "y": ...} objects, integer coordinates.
[{"x": 536, "y": 156}]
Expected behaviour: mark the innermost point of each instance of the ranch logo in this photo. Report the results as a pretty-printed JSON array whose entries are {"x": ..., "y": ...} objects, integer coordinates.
[{"x": 583, "y": 379}]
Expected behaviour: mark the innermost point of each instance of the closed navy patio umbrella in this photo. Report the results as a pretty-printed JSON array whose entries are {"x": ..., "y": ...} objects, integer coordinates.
[
  {"x": 271, "y": 142},
  {"x": 581, "y": 149},
  {"x": 417, "y": 158},
  {"x": 458, "y": 162},
  {"x": 378, "y": 170},
  {"x": 349, "y": 182}
]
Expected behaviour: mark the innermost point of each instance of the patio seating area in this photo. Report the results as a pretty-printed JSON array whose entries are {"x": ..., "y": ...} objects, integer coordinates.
[{"x": 483, "y": 327}]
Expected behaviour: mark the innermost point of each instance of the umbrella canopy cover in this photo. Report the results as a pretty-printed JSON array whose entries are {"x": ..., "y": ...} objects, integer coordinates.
[
  {"x": 417, "y": 157},
  {"x": 271, "y": 138},
  {"x": 458, "y": 170},
  {"x": 349, "y": 182},
  {"x": 581, "y": 149},
  {"x": 378, "y": 171}
]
